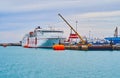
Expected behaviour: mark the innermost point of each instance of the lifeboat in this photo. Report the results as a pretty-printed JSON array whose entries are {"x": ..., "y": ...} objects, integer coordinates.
[{"x": 58, "y": 47}]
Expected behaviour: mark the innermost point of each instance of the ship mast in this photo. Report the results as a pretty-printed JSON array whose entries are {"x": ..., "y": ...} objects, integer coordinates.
[{"x": 116, "y": 32}]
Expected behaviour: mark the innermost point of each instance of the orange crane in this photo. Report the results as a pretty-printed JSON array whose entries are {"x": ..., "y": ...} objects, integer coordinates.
[{"x": 83, "y": 42}]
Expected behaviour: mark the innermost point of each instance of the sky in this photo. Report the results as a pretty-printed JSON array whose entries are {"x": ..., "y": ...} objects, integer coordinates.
[{"x": 95, "y": 18}]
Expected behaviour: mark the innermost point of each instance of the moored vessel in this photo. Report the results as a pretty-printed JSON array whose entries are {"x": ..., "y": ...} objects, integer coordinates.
[{"x": 43, "y": 38}]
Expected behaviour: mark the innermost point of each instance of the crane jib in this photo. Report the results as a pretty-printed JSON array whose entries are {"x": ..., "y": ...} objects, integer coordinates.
[{"x": 72, "y": 29}]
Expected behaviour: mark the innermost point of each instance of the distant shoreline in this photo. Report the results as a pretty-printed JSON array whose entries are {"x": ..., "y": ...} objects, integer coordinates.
[{"x": 10, "y": 44}]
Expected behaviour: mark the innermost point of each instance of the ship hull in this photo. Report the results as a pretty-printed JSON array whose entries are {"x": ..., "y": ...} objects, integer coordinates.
[
  {"x": 42, "y": 38},
  {"x": 42, "y": 42}
]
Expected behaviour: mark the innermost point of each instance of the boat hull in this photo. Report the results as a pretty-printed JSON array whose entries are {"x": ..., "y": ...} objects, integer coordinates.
[{"x": 42, "y": 42}]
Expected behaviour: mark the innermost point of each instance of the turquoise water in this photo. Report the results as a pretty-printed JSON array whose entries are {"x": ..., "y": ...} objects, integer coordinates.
[{"x": 18, "y": 62}]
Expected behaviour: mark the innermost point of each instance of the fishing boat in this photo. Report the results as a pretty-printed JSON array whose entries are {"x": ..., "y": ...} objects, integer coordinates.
[{"x": 42, "y": 38}]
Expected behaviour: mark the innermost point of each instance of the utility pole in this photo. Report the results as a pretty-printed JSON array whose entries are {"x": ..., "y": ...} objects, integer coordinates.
[{"x": 76, "y": 29}]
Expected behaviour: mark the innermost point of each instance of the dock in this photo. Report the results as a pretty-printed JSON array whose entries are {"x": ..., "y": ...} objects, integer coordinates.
[
  {"x": 10, "y": 44},
  {"x": 93, "y": 47}
]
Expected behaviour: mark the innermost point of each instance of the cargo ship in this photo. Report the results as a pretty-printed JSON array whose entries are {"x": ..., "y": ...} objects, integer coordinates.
[{"x": 43, "y": 38}]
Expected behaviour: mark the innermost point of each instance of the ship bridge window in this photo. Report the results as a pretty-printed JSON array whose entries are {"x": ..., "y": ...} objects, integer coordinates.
[
  {"x": 33, "y": 35},
  {"x": 52, "y": 31}
]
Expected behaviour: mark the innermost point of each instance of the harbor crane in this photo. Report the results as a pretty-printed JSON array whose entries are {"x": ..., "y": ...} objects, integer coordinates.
[{"x": 83, "y": 42}]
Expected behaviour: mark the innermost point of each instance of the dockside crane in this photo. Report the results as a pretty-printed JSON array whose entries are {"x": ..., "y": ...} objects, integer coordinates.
[{"x": 83, "y": 42}]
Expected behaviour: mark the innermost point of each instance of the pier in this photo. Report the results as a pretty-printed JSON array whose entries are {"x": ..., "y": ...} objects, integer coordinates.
[
  {"x": 10, "y": 44},
  {"x": 93, "y": 48},
  {"x": 86, "y": 47}
]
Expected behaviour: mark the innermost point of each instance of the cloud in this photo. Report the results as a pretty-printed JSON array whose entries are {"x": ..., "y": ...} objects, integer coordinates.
[
  {"x": 99, "y": 14},
  {"x": 95, "y": 15},
  {"x": 18, "y": 6},
  {"x": 31, "y": 5}
]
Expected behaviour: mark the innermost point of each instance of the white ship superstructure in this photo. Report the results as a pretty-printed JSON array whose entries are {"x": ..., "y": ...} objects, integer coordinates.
[{"x": 43, "y": 38}]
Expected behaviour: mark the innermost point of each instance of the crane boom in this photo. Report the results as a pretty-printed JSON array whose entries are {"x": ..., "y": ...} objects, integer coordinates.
[{"x": 83, "y": 42}]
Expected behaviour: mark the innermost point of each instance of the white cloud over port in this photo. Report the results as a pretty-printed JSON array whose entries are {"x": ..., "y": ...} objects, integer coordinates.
[
  {"x": 99, "y": 14},
  {"x": 30, "y": 5}
]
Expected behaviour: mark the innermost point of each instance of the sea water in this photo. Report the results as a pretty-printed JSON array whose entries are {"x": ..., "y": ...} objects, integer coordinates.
[{"x": 19, "y": 62}]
